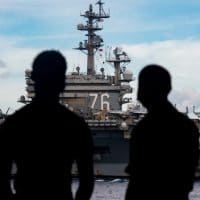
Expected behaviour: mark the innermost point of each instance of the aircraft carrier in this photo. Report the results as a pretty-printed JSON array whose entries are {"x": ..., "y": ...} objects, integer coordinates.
[{"x": 98, "y": 96}]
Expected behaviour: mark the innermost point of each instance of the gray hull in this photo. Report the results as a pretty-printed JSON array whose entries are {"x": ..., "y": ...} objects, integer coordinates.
[
  {"x": 110, "y": 169},
  {"x": 111, "y": 153}
]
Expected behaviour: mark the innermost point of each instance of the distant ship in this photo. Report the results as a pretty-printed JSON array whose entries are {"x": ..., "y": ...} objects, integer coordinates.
[{"x": 99, "y": 97}]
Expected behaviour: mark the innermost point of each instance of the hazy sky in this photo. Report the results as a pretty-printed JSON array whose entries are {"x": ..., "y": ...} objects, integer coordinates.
[{"x": 150, "y": 31}]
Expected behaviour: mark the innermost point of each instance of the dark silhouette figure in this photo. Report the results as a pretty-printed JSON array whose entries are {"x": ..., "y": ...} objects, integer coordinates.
[
  {"x": 44, "y": 138},
  {"x": 164, "y": 144}
]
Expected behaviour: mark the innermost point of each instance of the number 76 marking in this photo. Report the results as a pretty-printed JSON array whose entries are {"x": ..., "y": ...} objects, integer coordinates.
[{"x": 103, "y": 103}]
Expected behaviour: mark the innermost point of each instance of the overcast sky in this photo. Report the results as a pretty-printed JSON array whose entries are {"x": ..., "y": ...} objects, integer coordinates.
[{"x": 150, "y": 31}]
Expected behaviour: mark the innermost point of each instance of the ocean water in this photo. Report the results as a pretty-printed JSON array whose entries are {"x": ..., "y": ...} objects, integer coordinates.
[{"x": 115, "y": 189}]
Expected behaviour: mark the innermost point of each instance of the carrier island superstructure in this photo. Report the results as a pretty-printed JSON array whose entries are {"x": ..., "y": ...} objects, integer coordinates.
[{"x": 99, "y": 97}]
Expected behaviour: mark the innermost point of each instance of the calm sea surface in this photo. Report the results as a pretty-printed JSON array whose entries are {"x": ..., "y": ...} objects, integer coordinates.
[{"x": 115, "y": 190}]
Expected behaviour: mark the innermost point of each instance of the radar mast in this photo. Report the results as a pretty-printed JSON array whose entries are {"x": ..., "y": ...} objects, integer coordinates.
[{"x": 94, "y": 41}]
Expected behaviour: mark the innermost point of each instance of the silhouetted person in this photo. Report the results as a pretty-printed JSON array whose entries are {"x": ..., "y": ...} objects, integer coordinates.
[
  {"x": 164, "y": 144},
  {"x": 44, "y": 138}
]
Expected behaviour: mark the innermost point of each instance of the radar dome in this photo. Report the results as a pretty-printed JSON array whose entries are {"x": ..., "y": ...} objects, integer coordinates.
[{"x": 128, "y": 75}]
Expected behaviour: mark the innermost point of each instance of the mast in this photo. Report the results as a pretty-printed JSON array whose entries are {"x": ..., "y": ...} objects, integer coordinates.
[
  {"x": 94, "y": 41},
  {"x": 120, "y": 58}
]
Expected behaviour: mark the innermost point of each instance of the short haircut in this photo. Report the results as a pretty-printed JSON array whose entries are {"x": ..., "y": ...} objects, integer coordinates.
[{"x": 48, "y": 66}]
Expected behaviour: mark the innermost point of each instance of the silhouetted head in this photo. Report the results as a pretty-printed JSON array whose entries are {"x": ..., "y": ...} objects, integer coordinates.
[
  {"x": 48, "y": 73},
  {"x": 154, "y": 85}
]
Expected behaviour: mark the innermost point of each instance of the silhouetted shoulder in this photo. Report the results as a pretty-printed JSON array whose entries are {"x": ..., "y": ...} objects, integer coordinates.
[
  {"x": 8, "y": 125},
  {"x": 47, "y": 110},
  {"x": 186, "y": 123}
]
